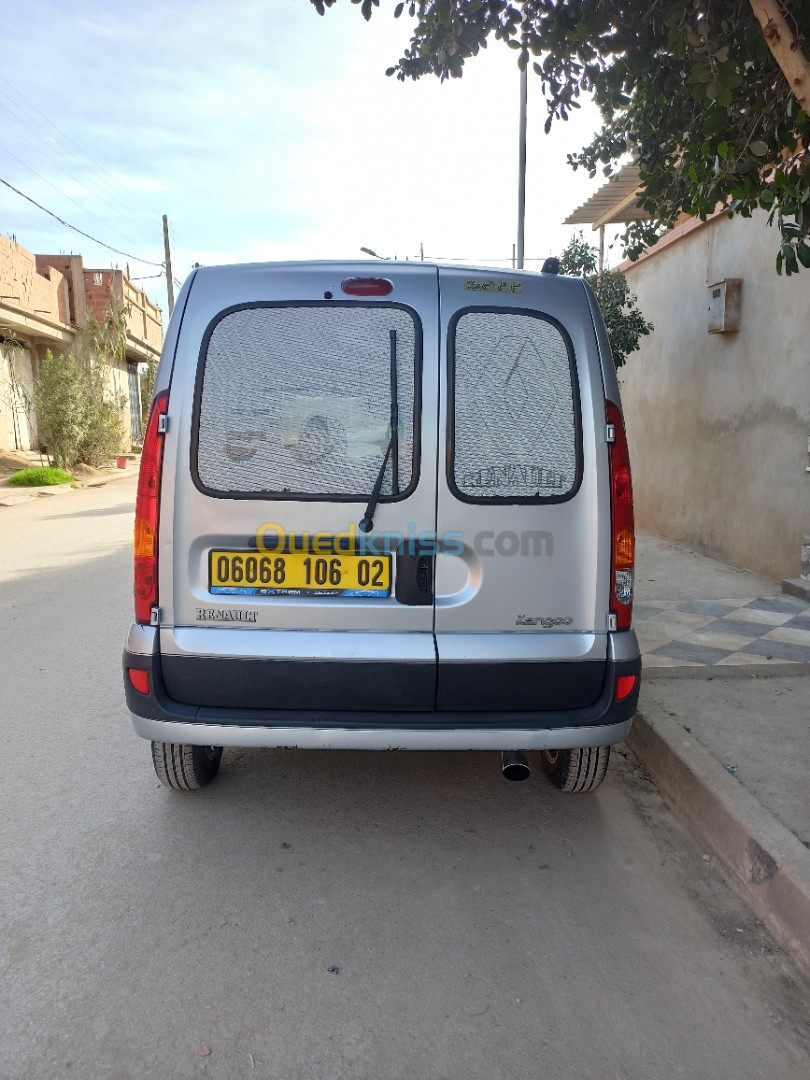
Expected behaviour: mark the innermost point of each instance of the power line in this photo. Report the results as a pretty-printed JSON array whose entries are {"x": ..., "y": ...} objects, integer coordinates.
[
  {"x": 81, "y": 232},
  {"x": 64, "y": 194},
  {"x": 84, "y": 153},
  {"x": 50, "y": 149}
]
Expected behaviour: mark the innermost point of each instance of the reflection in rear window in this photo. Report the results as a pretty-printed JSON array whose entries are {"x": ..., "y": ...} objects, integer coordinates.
[
  {"x": 514, "y": 425},
  {"x": 297, "y": 400}
]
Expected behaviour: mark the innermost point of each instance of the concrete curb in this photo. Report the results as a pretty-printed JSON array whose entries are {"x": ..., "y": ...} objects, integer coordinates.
[
  {"x": 725, "y": 671},
  {"x": 761, "y": 859},
  {"x": 772, "y": 667},
  {"x": 799, "y": 587}
]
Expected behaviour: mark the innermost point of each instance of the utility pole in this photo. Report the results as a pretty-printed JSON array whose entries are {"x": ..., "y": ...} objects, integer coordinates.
[
  {"x": 168, "y": 254},
  {"x": 522, "y": 168}
]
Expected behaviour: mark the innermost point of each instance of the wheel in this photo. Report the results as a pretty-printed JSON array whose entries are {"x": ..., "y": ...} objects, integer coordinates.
[
  {"x": 576, "y": 770},
  {"x": 185, "y": 768}
]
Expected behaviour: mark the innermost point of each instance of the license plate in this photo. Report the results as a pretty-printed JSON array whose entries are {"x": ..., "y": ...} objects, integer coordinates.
[{"x": 247, "y": 573}]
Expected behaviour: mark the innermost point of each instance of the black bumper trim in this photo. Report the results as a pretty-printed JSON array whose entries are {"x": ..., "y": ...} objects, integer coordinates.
[{"x": 158, "y": 705}]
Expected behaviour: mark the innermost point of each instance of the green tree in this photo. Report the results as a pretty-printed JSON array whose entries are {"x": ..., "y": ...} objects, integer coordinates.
[
  {"x": 624, "y": 321},
  {"x": 710, "y": 97},
  {"x": 59, "y": 400},
  {"x": 77, "y": 406}
]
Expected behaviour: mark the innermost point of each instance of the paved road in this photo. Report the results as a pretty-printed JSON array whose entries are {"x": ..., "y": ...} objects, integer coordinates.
[{"x": 476, "y": 929}]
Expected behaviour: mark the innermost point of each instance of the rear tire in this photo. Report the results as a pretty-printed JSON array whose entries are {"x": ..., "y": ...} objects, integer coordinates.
[
  {"x": 576, "y": 770},
  {"x": 185, "y": 768}
]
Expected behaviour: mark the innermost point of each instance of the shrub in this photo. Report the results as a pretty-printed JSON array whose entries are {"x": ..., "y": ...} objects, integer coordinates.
[
  {"x": 624, "y": 321},
  {"x": 78, "y": 411},
  {"x": 39, "y": 476},
  {"x": 101, "y": 441},
  {"x": 61, "y": 407}
]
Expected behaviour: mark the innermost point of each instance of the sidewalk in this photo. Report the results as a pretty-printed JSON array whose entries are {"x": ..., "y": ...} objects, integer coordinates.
[
  {"x": 724, "y": 723},
  {"x": 692, "y": 612},
  {"x": 13, "y": 496}
]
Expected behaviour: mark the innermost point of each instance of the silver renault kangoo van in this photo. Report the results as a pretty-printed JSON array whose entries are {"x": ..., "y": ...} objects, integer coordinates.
[{"x": 384, "y": 506}]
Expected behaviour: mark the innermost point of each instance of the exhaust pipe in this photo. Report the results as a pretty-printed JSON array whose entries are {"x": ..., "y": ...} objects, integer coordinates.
[{"x": 515, "y": 765}]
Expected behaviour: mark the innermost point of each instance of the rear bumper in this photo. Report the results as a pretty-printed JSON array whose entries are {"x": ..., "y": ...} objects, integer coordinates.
[
  {"x": 159, "y": 717},
  {"x": 387, "y": 738}
]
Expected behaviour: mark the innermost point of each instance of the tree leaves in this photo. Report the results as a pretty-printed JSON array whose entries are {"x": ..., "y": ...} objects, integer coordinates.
[
  {"x": 690, "y": 90},
  {"x": 624, "y": 321}
]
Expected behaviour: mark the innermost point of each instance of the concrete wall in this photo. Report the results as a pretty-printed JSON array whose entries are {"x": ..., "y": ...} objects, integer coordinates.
[
  {"x": 99, "y": 291},
  {"x": 718, "y": 423},
  {"x": 71, "y": 267},
  {"x": 26, "y": 288},
  {"x": 118, "y": 382},
  {"x": 17, "y": 430},
  {"x": 114, "y": 290},
  {"x": 144, "y": 321}
]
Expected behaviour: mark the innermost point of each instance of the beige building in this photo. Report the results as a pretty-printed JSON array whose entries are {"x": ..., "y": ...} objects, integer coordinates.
[
  {"x": 44, "y": 300},
  {"x": 717, "y": 399}
]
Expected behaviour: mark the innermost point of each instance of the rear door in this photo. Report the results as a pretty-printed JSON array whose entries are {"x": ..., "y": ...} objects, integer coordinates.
[
  {"x": 523, "y": 511},
  {"x": 281, "y": 408}
]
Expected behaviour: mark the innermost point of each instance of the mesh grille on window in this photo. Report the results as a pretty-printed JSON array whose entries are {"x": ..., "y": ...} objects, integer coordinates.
[
  {"x": 515, "y": 432},
  {"x": 297, "y": 400}
]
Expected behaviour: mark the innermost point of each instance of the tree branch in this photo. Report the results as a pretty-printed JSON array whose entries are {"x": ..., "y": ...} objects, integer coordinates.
[{"x": 784, "y": 44}]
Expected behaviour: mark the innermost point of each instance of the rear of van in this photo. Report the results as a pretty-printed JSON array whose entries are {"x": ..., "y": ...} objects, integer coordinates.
[{"x": 383, "y": 506}]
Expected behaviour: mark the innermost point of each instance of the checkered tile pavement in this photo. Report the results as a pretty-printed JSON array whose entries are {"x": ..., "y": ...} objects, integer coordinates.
[{"x": 723, "y": 633}]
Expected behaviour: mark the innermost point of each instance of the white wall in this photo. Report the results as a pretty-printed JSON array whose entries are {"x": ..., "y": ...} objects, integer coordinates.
[
  {"x": 16, "y": 425},
  {"x": 718, "y": 423}
]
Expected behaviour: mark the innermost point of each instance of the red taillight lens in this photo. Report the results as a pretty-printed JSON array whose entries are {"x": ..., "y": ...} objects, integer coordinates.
[
  {"x": 139, "y": 679},
  {"x": 622, "y": 543},
  {"x": 625, "y": 685},
  {"x": 367, "y": 286},
  {"x": 146, "y": 513}
]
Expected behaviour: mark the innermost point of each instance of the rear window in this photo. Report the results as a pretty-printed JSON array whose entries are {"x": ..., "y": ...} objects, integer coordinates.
[
  {"x": 514, "y": 408},
  {"x": 296, "y": 401}
]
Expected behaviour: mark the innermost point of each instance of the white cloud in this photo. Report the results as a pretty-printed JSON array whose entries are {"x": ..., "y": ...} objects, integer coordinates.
[{"x": 264, "y": 132}]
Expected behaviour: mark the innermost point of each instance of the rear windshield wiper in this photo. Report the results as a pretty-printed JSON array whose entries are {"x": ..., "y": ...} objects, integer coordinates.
[{"x": 367, "y": 522}]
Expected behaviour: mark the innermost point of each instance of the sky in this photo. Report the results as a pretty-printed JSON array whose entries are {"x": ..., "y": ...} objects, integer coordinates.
[{"x": 264, "y": 132}]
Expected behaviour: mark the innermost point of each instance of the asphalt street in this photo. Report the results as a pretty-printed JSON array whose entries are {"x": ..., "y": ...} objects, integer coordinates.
[{"x": 324, "y": 915}]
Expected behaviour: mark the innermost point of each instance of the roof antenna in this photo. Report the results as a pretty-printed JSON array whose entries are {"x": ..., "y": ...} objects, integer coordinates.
[{"x": 550, "y": 266}]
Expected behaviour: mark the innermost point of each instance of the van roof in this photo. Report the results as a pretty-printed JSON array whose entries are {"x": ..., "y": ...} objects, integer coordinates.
[{"x": 375, "y": 265}]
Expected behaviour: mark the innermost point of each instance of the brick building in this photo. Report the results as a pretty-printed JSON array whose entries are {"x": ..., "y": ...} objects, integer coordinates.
[{"x": 44, "y": 300}]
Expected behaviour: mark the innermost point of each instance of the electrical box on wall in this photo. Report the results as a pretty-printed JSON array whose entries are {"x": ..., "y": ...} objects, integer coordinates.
[{"x": 724, "y": 306}]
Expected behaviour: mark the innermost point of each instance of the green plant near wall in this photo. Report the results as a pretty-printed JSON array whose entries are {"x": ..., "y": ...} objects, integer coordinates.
[
  {"x": 12, "y": 391},
  {"x": 147, "y": 391},
  {"x": 78, "y": 409},
  {"x": 624, "y": 321}
]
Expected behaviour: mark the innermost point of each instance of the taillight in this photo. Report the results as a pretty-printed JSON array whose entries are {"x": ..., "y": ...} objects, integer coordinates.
[
  {"x": 146, "y": 513},
  {"x": 625, "y": 685},
  {"x": 139, "y": 679},
  {"x": 622, "y": 539}
]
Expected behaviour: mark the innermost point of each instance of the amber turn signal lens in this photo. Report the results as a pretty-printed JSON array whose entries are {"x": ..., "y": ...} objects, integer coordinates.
[
  {"x": 624, "y": 551},
  {"x": 144, "y": 543}
]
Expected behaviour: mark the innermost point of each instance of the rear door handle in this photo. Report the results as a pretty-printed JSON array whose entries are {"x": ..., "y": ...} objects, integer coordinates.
[{"x": 414, "y": 576}]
